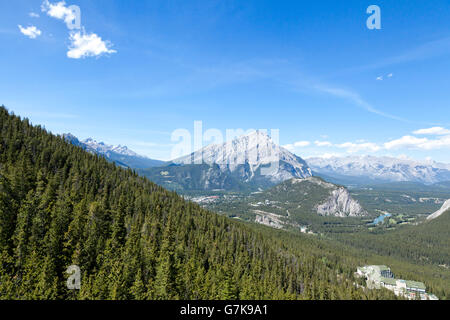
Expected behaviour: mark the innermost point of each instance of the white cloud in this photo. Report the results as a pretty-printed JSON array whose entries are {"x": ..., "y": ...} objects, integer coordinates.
[
  {"x": 357, "y": 147},
  {"x": 433, "y": 131},
  {"x": 323, "y": 143},
  {"x": 380, "y": 78},
  {"x": 443, "y": 142},
  {"x": 351, "y": 147},
  {"x": 58, "y": 11},
  {"x": 82, "y": 44},
  {"x": 298, "y": 144},
  {"x": 405, "y": 142},
  {"x": 390, "y": 75},
  {"x": 440, "y": 141},
  {"x": 411, "y": 142},
  {"x": 330, "y": 155},
  {"x": 290, "y": 147},
  {"x": 34, "y": 15},
  {"x": 302, "y": 144},
  {"x": 31, "y": 32},
  {"x": 87, "y": 45}
]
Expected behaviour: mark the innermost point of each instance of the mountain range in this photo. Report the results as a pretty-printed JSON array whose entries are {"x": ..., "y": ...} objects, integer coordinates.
[
  {"x": 249, "y": 163},
  {"x": 370, "y": 169},
  {"x": 121, "y": 155}
]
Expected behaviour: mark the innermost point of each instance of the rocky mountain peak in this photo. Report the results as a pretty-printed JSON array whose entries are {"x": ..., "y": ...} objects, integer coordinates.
[
  {"x": 121, "y": 155},
  {"x": 249, "y": 155}
]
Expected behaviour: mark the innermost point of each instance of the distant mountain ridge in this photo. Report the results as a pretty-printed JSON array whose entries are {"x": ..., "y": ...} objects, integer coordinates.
[
  {"x": 250, "y": 161},
  {"x": 118, "y": 154},
  {"x": 367, "y": 169}
]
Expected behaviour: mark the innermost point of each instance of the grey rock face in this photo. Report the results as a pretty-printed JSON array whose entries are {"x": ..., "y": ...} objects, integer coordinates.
[
  {"x": 444, "y": 208},
  {"x": 340, "y": 204}
]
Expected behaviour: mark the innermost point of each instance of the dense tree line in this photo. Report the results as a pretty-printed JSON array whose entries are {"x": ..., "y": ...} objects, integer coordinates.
[
  {"x": 61, "y": 206},
  {"x": 428, "y": 242}
]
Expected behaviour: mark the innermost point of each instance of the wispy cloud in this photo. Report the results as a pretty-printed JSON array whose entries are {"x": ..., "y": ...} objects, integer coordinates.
[
  {"x": 356, "y": 99},
  {"x": 388, "y": 76},
  {"x": 34, "y": 15},
  {"x": 31, "y": 32},
  {"x": 424, "y": 51}
]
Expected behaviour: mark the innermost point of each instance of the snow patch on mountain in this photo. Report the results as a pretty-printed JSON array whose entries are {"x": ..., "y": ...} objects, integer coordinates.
[{"x": 101, "y": 147}]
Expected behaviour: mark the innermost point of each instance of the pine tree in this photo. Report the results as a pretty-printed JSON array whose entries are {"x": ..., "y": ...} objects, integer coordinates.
[
  {"x": 7, "y": 215},
  {"x": 165, "y": 272},
  {"x": 138, "y": 289}
]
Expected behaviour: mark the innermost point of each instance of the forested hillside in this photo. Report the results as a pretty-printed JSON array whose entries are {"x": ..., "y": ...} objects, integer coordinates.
[
  {"x": 61, "y": 206},
  {"x": 428, "y": 242},
  {"x": 418, "y": 251}
]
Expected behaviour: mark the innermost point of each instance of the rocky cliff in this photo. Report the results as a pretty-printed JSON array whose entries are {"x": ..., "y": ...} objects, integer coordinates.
[{"x": 340, "y": 204}]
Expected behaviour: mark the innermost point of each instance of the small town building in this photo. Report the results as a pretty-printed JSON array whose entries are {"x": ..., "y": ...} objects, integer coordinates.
[{"x": 381, "y": 276}]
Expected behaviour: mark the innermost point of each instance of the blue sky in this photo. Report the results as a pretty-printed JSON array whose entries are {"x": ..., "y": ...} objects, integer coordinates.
[{"x": 138, "y": 70}]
